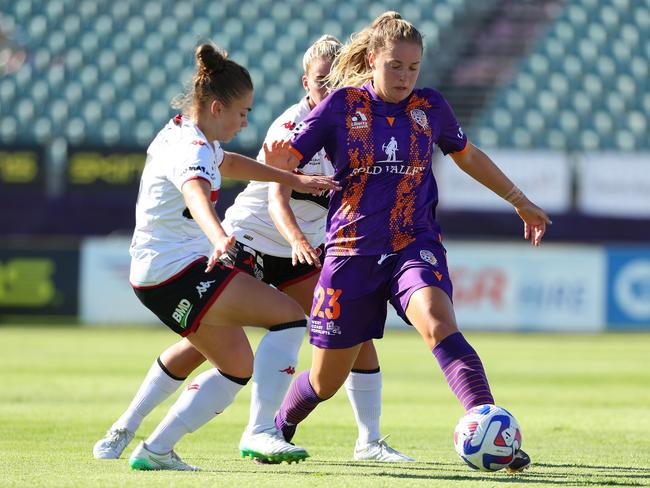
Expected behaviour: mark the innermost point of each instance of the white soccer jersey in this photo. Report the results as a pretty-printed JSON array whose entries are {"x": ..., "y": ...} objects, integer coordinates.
[
  {"x": 248, "y": 218},
  {"x": 166, "y": 238}
]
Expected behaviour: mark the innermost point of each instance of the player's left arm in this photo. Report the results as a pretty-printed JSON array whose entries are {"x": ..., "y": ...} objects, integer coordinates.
[{"x": 479, "y": 166}]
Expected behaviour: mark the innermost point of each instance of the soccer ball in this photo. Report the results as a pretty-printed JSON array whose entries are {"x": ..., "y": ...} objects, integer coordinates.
[{"x": 487, "y": 438}]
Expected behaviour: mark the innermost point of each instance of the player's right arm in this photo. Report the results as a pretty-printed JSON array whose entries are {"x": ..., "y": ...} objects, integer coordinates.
[
  {"x": 196, "y": 193},
  {"x": 285, "y": 221}
]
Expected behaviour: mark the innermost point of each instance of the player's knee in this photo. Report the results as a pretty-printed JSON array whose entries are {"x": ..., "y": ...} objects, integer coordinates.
[
  {"x": 326, "y": 386},
  {"x": 435, "y": 331},
  {"x": 181, "y": 360}
]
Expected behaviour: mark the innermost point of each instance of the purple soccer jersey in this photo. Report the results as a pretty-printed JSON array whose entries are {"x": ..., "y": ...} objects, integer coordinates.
[{"x": 382, "y": 155}]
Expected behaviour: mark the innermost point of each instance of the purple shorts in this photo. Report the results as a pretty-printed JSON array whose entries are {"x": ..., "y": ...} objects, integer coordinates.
[{"x": 350, "y": 300}]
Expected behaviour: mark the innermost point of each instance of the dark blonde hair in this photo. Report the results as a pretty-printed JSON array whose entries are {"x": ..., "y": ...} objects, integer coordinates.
[
  {"x": 351, "y": 67},
  {"x": 325, "y": 47},
  {"x": 216, "y": 77}
]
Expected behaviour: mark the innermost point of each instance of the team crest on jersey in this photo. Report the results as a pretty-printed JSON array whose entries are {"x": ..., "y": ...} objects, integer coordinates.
[
  {"x": 359, "y": 121},
  {"x": 428, "y": 256},
  {"x": 420, "y": 117}
]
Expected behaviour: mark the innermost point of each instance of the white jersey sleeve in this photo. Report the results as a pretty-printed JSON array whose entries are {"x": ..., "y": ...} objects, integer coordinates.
[
  {"x": 248, "y": 218},
  {"x": 194, "y": 160},
  {"x": 166, "y": 238}
]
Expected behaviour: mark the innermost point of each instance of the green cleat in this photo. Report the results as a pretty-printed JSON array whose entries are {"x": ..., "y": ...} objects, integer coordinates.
[
  {"x": 269, "y": 447},
  {"x": 142, "y": 459}
]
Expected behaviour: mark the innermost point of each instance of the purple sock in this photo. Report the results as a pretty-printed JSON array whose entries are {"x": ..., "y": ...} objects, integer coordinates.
[
  {"x": 299, "y": 402},
  {"x": 463, "y": 371}
]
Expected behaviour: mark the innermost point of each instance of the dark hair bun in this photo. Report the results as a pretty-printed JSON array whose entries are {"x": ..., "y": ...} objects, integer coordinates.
[{"x": 210, "y": 59}]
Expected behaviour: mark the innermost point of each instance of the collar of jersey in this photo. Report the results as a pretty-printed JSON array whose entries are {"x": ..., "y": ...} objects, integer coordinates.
[{"x": 385, "y": 108}]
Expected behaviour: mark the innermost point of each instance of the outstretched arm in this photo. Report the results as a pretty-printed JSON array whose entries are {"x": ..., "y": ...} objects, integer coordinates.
[
  {"x": 243, "y": 168},
  {"x": 479, "y": 166}
]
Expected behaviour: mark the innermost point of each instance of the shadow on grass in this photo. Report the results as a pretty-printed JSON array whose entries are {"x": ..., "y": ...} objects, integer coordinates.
[
  {"x": 591, "y": 466},
  {"x": 582, "y": 475}
]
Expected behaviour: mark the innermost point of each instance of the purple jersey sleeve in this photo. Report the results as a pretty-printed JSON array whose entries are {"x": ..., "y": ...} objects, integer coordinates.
[
  {"x": 310, "y": 135},
  {"x": 452, "y": 138}
]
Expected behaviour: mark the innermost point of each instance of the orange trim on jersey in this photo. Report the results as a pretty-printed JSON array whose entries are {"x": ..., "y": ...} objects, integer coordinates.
[
  {"x": 390, "y": 120},
  {"x": 296, "y": 153},
  {"x": 463, "y": 150}
]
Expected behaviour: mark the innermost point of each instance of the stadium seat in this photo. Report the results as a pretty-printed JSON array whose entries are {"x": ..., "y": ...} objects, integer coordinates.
[
  {"x": 596, "y": 70},
  {"x": 43, "y": 130},
  {"x": 94, "y": 57}
]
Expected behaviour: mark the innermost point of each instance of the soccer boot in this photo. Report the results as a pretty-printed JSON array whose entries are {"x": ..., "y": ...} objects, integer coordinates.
[
  {"x": 145, "y": 460},
  {"x": 379, "y": 450},
  {"x": 112, "y": 444},
  {"x": 269, "y": 447},
  {"x": 520, "y": 462}
]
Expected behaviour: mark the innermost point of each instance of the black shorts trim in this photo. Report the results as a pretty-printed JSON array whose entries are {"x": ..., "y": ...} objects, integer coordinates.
[
  {"x": 298, "y": 279},
  {"x": 272, "y": 270},
  {"x": 197, "y": 321}
]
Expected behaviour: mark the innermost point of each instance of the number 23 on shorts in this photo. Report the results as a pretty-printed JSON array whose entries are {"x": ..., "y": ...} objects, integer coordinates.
[{"x": 333, "y": 309}]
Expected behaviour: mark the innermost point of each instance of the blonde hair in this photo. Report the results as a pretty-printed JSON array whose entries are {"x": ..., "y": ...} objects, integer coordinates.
[
  {"x": 351, "y": 67},
  {"x": 216, "y": 77},
  {"x": 325, "y": 47}
]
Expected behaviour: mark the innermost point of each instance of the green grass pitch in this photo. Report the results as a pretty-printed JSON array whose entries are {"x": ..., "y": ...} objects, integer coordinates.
[{"x": 583, "y": 403}]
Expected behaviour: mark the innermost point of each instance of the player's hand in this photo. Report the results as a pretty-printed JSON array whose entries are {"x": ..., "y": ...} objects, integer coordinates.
[
  {"x": 277, "y": 154},
  {"x": 221, "y": 247},
  {"x": 315, "y": 184},
  {"x": 303, "y": 252},
  {"x": 535, "y": 221}
]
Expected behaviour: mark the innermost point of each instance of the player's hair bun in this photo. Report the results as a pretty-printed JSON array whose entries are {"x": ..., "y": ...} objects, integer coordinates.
[{"x": 210, "y": 59}]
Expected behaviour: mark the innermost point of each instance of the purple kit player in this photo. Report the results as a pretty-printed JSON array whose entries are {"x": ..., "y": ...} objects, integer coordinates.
[{"x": 383, "y": 242}]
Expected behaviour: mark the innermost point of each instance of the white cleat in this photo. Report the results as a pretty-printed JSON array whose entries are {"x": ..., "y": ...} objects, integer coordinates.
[
  {"x": 113, "y": 444},
  {"x": 379, "y": 450},
  {"x": 144, "y": 460},
  {"x": 269, "y": 447}
]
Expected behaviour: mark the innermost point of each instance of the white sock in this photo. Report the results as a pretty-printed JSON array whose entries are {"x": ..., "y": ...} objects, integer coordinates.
[
  {"x": 156, "y": 387},
  {"x": 204, "y": 398},
  {"x": 275, "y": 363},
  {"x": 364, "y": 392}
]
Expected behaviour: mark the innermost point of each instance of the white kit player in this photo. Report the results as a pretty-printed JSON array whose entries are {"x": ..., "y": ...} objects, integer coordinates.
[
  {"x": 279, "y": 235},
  {"x": 176, "y": 270}
]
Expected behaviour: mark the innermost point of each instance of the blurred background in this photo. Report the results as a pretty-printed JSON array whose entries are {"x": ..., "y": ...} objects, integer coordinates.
[{"x": 557, "y": 92}]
